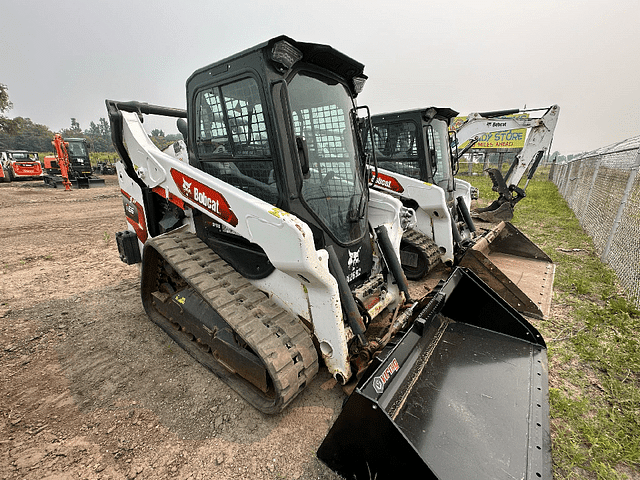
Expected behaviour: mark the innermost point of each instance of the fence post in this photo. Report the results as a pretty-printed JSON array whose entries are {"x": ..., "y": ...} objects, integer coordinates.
[
  {"x": 567, "y": 176},
  {"x": 576, "y": 187},
  {"x": 558, "y": 175},
  {"x": 593, "y": 182},
  {"x": 552, "y": 169},
  {"x": 623, "y": 203}
]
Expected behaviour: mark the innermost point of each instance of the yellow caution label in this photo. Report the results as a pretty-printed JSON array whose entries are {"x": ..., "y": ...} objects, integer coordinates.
[{"x": 277, "y": 212}]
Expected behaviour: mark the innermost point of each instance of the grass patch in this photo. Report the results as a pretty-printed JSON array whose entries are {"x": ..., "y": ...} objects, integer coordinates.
[
  {"x": 94, "y": 157},
  {"x": 593, "y": 344}
]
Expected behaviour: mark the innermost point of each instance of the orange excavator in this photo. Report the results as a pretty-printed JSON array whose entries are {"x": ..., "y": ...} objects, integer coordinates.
[
  {"x": 62, "y": 156},
  {"x": 73, "y": 152}
]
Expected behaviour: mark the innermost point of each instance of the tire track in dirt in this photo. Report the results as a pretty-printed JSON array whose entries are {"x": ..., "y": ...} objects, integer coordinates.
[{"x": 91, "y": 388}]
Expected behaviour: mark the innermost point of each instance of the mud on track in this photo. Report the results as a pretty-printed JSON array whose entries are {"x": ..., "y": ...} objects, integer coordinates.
[{"x": 90, "y": 388}]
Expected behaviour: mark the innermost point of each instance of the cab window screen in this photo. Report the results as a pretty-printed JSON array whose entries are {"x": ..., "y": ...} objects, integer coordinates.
[
  {"x": 396, "y": 148},
  {"x": 333, "y": 188},
  {"x": 232, "y": 142}
]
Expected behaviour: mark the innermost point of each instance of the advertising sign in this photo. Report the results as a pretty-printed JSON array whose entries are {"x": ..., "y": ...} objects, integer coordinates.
[{"x": 501, "y": 139}]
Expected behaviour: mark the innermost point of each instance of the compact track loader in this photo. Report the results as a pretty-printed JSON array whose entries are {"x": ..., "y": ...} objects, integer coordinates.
[
  {"x": 17, "y": 164},
  {"x": 266, "y": 256},
  {"x": 416, "y": 161}
]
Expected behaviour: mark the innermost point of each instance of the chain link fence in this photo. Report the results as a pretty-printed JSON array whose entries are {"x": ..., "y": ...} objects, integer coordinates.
[
  {"x": 603, "y": 189},
  {"x": 476, "y": 163}
]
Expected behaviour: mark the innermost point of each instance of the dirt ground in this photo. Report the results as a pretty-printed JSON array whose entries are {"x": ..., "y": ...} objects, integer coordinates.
[{"x": 90, "y": 388}]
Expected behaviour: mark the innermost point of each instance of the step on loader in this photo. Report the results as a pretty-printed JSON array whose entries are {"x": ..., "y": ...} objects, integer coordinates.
[
  {"x": 415, "y": 159},
  {"x": 268, "y": 256}
]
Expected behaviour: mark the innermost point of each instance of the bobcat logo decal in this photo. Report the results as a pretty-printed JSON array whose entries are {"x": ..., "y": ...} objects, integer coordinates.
[
  {"x": 204, "y": 197},
  {"x": 186, "y": 186},
  {"x": 354, "y": 258},
  {"x": 354, "y": 265}
]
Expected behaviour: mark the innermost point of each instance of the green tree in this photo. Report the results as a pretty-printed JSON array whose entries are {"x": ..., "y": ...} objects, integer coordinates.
[
  {"x": 23, "y": 134},
  {"x": 99, "y": 136},
  {"x": 93, "y": 129},
  {"x": 5, "y": 124},
  {"x": 105, "y": 127},
  {"x": 5, "y": 104},
  {"x": 75, "y": 126}
]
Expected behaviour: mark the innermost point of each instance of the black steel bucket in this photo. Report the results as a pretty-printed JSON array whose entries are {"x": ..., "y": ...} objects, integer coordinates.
[
  {"x": 514, "y": 267},
  {"x": 463, "y": 394}
]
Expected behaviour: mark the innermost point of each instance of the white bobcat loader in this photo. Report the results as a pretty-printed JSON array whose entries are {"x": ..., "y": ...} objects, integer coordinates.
[
  {"x": 415, "y": 159},
  {"x": 267, "y": 256}
]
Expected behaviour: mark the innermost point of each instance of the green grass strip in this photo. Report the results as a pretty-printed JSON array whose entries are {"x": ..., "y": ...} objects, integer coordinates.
[{"x": 593, "y": 338}]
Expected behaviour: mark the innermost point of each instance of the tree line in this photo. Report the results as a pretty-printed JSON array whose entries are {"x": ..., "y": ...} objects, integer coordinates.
[{"x": 21, "y": 133}]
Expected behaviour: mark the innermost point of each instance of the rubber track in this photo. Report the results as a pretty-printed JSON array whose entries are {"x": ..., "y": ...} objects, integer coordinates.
[
  {"x": 425, "y": 244},
  {"x": 279, "y": 338}
]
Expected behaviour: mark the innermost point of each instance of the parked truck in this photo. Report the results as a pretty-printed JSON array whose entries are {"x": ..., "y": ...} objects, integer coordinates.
[{"x": 267, "y": 256}]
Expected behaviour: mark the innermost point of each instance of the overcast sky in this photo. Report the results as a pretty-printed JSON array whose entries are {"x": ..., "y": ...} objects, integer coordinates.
[{"x": 62, "y": 59}]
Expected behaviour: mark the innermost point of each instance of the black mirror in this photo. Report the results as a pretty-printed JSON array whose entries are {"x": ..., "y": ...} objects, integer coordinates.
[
  {"x": 182, "y": 127},
  {"x": 431, "y": 147}
]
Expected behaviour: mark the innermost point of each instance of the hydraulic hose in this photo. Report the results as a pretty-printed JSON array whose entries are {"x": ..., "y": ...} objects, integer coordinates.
[
  {"x": 346, "y": 298},
  {"x": 464, "y": 210},
  {"x": 393, "y": 261}
]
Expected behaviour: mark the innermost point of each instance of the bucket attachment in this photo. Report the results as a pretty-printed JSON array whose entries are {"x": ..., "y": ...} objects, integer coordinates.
[
  {"x": 515, "y": 267},
  {"x": 501, "y": 210},
  {"x": 494, "y": 213},
  {"x": 463, "y": 394},
  {"x": 91, "y": 181}
]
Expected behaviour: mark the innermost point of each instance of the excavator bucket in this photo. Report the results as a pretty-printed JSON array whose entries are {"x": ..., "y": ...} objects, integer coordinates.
[
  {"x": 462, "y": 394},
  {"x": 500, "y": 210},
  {"x": 496, "y": 212},
  {"x": 515, "y": 267}
]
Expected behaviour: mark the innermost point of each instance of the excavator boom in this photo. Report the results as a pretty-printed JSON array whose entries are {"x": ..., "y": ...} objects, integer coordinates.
[
  {"x": 537, "y": 146},
  {"x": 62, "y": 155}
]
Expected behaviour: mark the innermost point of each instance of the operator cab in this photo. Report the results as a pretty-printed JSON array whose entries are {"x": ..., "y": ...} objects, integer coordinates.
[
  {"x": 416, "y": 143},
  {"x": 246, "y": 109},
  {"x": 79, "y": 156}
]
